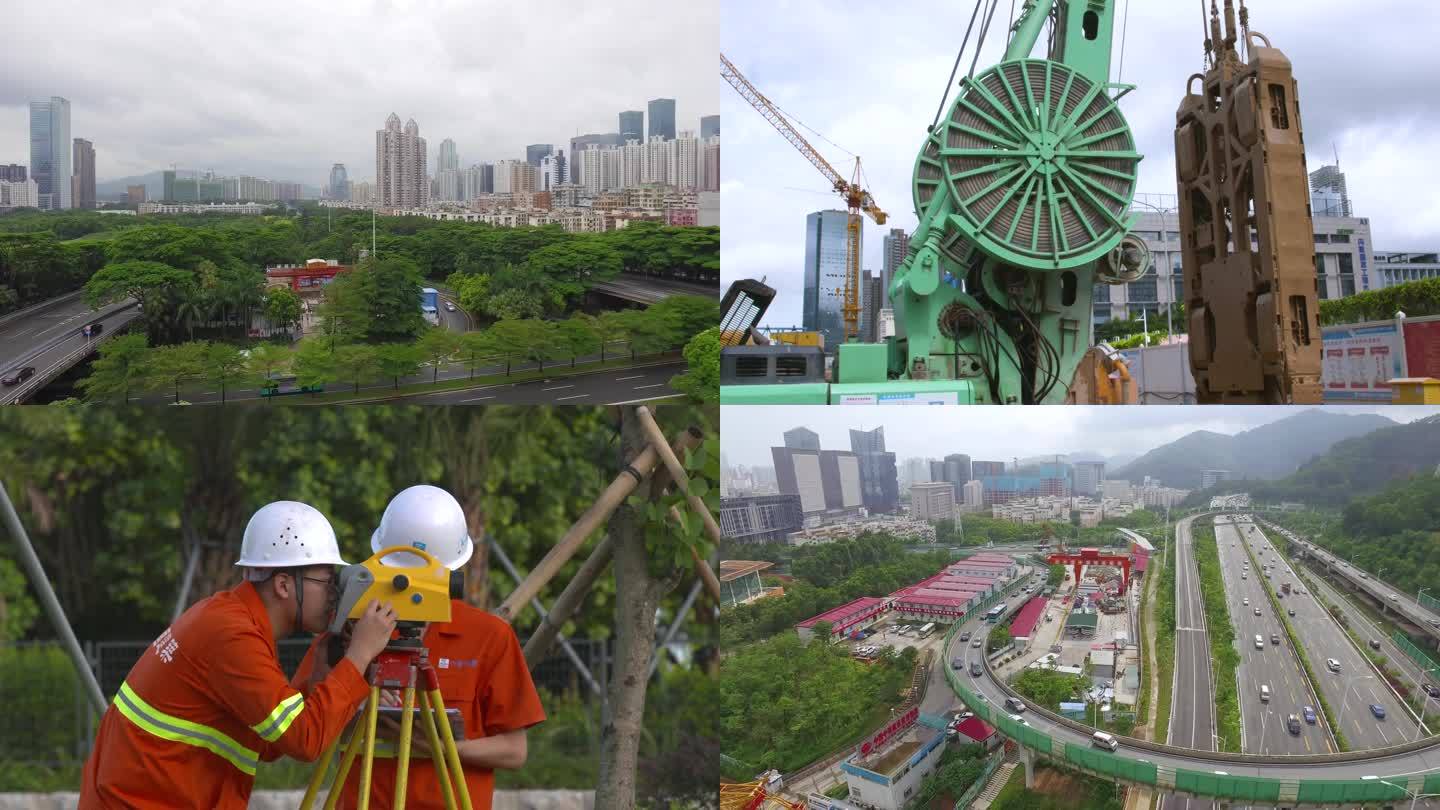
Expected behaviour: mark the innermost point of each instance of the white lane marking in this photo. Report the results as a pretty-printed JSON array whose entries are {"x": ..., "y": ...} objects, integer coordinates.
[
  {"x": 476, "y": 399},
  {"x": 573, "y": 396},
  {"x": 656, "y": 385},
  {"x": 623, "y": 379},
  {"x": 557, "y": 388}
]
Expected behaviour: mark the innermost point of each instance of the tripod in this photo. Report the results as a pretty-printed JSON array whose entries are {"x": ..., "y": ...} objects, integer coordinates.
[{"x": 400, "y": 665}]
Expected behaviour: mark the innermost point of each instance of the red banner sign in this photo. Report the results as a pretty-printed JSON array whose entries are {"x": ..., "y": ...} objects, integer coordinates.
[{"x": 896, "y": 727}]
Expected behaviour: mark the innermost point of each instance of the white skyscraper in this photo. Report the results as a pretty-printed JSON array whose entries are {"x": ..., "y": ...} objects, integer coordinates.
[
  {"x": 710, "y": 164},
  {"x": 656, "y": 160},
  {"x": 19, "y": 194},
  {"x": 634, "y": 159},
  {"x": 50, "y": 152},
  {"x": 400, "y": 159},
  {"x": 592, "y": 175},
  {"x": 449, "y": 161},
  {"x": 552, "y": 172},
  {"x": 504, "y": 176},
  {"x": 682, "y": 162},
  {"x": 612, "y": 164}
]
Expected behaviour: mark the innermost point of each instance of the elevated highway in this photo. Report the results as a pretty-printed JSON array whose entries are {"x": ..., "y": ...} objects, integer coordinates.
[{"x": 50, "y": 337}]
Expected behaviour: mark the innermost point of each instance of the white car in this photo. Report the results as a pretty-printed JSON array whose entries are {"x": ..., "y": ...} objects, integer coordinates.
[{"x": 449, "y": 306}]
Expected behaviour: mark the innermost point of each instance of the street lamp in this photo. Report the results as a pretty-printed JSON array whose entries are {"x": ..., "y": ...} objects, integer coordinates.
[
  {"x": 1415, "y": 797},
  {"x": 1219, "y": 741},
  {"x": 1417, "y": 596},
  {"x": 1349, "y": 682}
]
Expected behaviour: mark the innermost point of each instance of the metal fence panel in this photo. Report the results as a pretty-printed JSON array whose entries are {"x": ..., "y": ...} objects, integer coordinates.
[{"x": 1325, "y": 791}]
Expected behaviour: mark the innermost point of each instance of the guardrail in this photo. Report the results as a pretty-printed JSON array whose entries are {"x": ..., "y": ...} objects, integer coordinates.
[
  {"x": 40, "y": 307},
  {"x": 1197, "y": 782}
]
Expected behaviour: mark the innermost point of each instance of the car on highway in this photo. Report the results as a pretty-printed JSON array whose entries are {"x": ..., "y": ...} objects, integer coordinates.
[
  {"x": 1257, "y": 611},
  {"x": 1293, "y": 724},
  {"x": 1264, "y": 693},
  {"x": 1332, "y": 665},
  {"x": 957, "y": 663},
  {"x": 1274, "y": 638},
  {"x": 1244, "y": 575},
  {"x": 1309, "y": 714},
  {"x": 965, "y": 636},
  {"x": 975, "y": 645},
  {"x": 18, "y": 375},
  {"x": 1259, "y": 642},
  {"x": 1432, "y": 691},
  {"x": 1377, "y": 710},
  {"x": 449, "y": 306},
  {"x": 975, "y": 669},
  {"x": 1374, "y": 643},
  {"x": 1247, "y": 602},
  {"x": 1394, "y": 598},
  {"x": 1291, "y": 611}
]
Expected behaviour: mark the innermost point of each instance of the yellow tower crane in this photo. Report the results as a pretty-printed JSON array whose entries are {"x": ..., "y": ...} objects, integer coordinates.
[{"x": 857, "y": 199}]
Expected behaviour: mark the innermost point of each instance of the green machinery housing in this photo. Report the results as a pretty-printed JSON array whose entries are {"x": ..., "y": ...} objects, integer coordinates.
[{"x": 1023, "y": 191}]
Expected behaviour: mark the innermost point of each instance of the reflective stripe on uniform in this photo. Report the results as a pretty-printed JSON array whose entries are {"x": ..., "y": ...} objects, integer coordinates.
[
  {"x": 271, "y": 728},
  {"x": 168, "y": 727}
]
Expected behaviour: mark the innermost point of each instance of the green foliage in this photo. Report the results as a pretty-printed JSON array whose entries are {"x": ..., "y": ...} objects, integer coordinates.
[
  {"x": 1048, "y": 688},
  {"x": 396, "y": 360},
  {"x": 473, "y": 292},
  {"x": 119, "y": 369},
  {"x": 1414, "y": 298},
  {"x": 571, "y": 267},
  {"x": 998, "y": 638},
  {"x": 282, "y": 307},
  {"x": 1224, "y": 657},
  {"x": 702, "y": 379},
  {"x": 1056, "y": 576},
  {"x": 17, "y": 610},
  {"x": 437, "y": 345},
  {"x": 784, "y": 704},
  {"x": 576, "y": 337},
  {"x": 1085, "y": 793},
  {"x": 37, "y": 266},
  {"x": 1152, "y": 338},
  {"x": 1165, "y": 624},
  {"x": 356, "y": 362},
  {"x": 959, "y": 769}
]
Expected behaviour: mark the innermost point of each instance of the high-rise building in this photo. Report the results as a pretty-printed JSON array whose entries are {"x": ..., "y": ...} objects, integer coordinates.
[
  {"x": 710, "y": 126},
  {"x": 503, "y": 175},
  {"x": 19, "y": 194},
  {"x": 612, "y": 166},
  {"x": 552, "y": 171},
  {"x": 400, "y": 157},
  {"x": 710, "y": 157},
  {"x": 478, "y": 179},
  {"x": 82, "y": 182},
  {"x": 879, "y": 483},
  {"x": 958, "y": 470},
  {"x": 980, "y": 469},
  {"x": 897, "y": 242},
  {"x": 449, "y": 158},
  {"x": 523, "y": 178},
  {"x": 827, "y": 481},
  {"x": 536, "y": 152},
  {"x": 362, "y": 192},
  {"x": 339, "y": 188},
  {"x": 917, "y": 471},
  {"x": 1089, "y": 477},
  {"x": 825, "y": 252},
  {"x": 632, "y": 126},
  {"x": 802, "y": 439},
  {"x": 1329, "y": 196},
  {"x": 683, "y": 160},
  {"x": 760, "y": 518},
  {"x": 50, "y": 152},
  {"x": 662, "y": 119},
  {"x": 933, "y": 501},
  {"x": 870, "y": 312},
  {"x": 633, "y": 160},
  {"x": 580, "y": 143},
  {"x": 13, "y": 173},
  {"x": 974, "y": 496},
  {"x": 657, "y": 161},
  {"x": 591, "y": 174},
  {"x": 135, "y": 195}
]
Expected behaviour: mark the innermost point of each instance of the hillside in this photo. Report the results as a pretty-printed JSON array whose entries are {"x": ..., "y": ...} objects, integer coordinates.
[{"x": 1267, "y": 452}]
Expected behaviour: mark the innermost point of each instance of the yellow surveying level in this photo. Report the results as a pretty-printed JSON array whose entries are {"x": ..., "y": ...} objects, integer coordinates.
[{"x": 418, "y": 595}]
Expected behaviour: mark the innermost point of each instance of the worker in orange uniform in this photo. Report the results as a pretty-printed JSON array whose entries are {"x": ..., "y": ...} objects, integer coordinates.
[
  {"x": 207, "y": 701},
  {"x": 476, "y": 656}
]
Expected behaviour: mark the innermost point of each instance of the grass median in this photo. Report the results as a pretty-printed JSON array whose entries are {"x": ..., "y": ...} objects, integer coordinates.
[
  {"x": 1165, "y": 645},
  {"x": 1225, "y": 659}
]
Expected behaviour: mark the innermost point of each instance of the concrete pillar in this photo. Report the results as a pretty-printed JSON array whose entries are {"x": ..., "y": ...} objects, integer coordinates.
[{"x": 1028, "y": 758}]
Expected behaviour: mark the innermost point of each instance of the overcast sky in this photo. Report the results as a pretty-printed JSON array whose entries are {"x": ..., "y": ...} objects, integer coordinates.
[
  {"x": 1001, "y": 434},
  {"x": 285, "y": 88},
  {"x": 869, "y": 77}
]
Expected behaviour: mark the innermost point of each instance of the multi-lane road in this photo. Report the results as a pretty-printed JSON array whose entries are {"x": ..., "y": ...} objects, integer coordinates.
[
  {"x": 1267, "y": 659},
  {"x": 51, "y": 339},
  {"x": 1357, "y": 685},
  {"x": 1192, "y": 705}
]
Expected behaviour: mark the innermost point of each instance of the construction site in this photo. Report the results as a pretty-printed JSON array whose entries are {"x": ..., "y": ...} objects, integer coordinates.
[{"x": 1025, "y": 193}]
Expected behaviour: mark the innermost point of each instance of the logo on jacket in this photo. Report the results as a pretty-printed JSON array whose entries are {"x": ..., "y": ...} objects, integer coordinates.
[{"x": 165, "y": 646}]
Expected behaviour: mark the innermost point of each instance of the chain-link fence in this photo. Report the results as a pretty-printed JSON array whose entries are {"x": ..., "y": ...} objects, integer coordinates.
[{"x": 46, "y": 720}]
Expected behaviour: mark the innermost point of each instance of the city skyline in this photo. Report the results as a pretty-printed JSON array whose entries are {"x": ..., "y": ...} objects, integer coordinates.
[
  {"x": 1001, "y": 434},
  {"x": 277, "y": 113},
  {"x": 1385, "y": 142}
]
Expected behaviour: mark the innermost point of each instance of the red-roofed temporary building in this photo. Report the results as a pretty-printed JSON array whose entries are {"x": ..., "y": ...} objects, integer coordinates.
[
  {"x": 979, "y": 731},
  {"x": 1026, "y": 620},
  {"x": 844, "y": 619},
  {"x": 925, "y": 604}
]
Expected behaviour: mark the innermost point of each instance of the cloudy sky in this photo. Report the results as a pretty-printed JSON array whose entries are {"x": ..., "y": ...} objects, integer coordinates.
[
  {"x": 749, "y": 431},
  {"x": 285, "y": 88},
  {"x": 869, "y": 77}
]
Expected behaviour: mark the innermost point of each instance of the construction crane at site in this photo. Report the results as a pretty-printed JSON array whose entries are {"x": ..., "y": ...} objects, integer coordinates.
[{"x": 857, "y": 199}]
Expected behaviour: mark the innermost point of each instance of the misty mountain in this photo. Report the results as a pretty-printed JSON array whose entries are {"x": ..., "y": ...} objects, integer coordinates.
[{"x": 1267, "y": 452}]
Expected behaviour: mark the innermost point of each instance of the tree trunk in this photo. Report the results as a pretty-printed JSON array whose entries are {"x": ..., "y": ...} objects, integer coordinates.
[{"x": 637, "y": 594}]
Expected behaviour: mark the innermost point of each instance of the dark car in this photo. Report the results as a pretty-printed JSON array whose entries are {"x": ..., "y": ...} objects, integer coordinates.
[
  {"x": 94, "y": 329},
  {"x": 19, "y": 375},
  {"x": 1293, "y": 724},
  {"x": 1432, "y": 691},
  {"x": 965, "y": 636},
  {"x": 1309, "y": 714},
  {"x": 1291, "y": 611},
  {"x": 957, "y": 663},
  {"x": 975, "y": 669},
  {"x": 1377, "y": 710}
]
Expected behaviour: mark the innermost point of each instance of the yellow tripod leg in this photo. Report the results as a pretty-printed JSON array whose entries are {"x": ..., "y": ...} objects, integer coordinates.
[
  {"x": 407, "y": 726},
  {"x": 372, "y": 710},
  {"x": 437, "y": 756},
  {"x": 352, "y": 747},
  {"x": 452, "y": 754},
  {"x": 313, "y": 789}
]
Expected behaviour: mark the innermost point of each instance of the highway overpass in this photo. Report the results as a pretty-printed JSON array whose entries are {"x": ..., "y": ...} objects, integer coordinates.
[
  {"x": 50, "y": 337},
  {"x": 646, "y": 290}
]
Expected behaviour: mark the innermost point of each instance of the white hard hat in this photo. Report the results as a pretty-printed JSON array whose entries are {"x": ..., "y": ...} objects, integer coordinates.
[
  {"x": 427, "y": 518},
  {"x": 285, "y": 534}
]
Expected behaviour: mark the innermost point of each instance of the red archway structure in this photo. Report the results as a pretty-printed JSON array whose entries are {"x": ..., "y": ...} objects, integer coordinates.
[{"x": 1092, "y": 556}]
